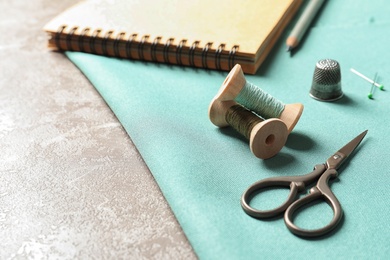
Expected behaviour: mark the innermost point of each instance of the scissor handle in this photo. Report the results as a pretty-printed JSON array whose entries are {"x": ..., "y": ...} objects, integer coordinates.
[
  {"x": 320, "y": 192},
  {"x": 296, "y": 184}
]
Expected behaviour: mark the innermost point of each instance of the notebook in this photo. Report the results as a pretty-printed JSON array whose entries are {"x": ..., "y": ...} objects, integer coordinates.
[{"x": 211, "y": 34}]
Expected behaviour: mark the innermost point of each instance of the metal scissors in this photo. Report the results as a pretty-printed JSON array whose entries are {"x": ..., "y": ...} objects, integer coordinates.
[{"x": 321, "y": 191}]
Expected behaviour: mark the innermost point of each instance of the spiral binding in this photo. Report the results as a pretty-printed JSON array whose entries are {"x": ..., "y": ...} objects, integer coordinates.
[
  {"x": 81, "y": 39},
  {"x": 129, "y": 42},
  {"x": 232, "y": 55},
  {"x": 141, "y": 47},
  {"x": 57, "y": 36},
  {"x": 191, "y": 53},
  {"x": 105, "y": 41},
  {"x": 218, "y": 53},
  {"x": 179, "y": 50},
  {"x": 153, "y": 48},
  {"x": 92, "y": 45},
  {"x": 204, "y": 54},
  {"x": 69, "y": 38},
  {"x": 117, "y": 40},
  {"x": 166, "y": 50}
]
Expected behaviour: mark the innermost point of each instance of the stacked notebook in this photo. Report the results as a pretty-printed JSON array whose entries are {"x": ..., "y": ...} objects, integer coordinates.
[{"x": 200, "y": 33}]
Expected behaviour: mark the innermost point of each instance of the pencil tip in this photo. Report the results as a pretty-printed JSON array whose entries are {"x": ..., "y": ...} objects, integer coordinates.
[{"x": 289, "y": 48}]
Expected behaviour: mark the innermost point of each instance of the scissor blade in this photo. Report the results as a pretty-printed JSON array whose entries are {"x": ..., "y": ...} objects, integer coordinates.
[
  {"x": 339, "y": 157},
  {"x": 351, "y": 146}
]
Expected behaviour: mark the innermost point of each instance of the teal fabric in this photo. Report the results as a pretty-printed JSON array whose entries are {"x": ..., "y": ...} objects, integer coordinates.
[{"x": 202, "y": 170}]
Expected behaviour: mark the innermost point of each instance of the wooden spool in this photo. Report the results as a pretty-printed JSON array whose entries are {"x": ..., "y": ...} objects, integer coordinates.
[
  {"x": 233, "y": 85},
  {"x": 267, "y": 138}
]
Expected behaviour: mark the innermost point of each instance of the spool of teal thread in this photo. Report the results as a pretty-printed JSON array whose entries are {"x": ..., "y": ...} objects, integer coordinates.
[{"x": 236, "y": 88}]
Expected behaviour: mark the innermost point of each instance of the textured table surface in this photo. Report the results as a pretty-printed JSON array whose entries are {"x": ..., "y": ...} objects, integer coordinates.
[{"x": 72, "y": 183}]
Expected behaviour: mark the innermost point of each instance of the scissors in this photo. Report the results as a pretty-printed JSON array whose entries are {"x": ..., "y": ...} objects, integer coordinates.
[{"x": 321, "y": 191}]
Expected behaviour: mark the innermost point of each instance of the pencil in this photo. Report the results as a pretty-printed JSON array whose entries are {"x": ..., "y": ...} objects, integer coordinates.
[{"x": 303, "y": 23}]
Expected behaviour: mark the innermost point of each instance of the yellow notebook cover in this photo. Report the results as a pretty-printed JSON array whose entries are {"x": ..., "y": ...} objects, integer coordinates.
[{"x": 211, "y": 34}]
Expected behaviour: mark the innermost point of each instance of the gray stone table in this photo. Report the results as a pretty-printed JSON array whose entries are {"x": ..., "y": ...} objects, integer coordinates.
[{"x": 72, "y": 184}]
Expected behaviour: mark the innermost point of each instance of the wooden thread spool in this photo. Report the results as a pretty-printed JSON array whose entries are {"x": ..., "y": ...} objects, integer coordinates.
[
  {"x": 266, "y": 137},
  {"x": 234, "y": 84}
]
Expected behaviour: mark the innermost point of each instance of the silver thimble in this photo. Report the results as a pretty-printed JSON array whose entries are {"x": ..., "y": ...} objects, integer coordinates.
[{"x": 326, "y": 85}]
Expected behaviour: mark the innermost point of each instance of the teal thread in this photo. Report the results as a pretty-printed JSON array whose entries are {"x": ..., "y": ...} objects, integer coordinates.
[{"x": 263, "y": 104}]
